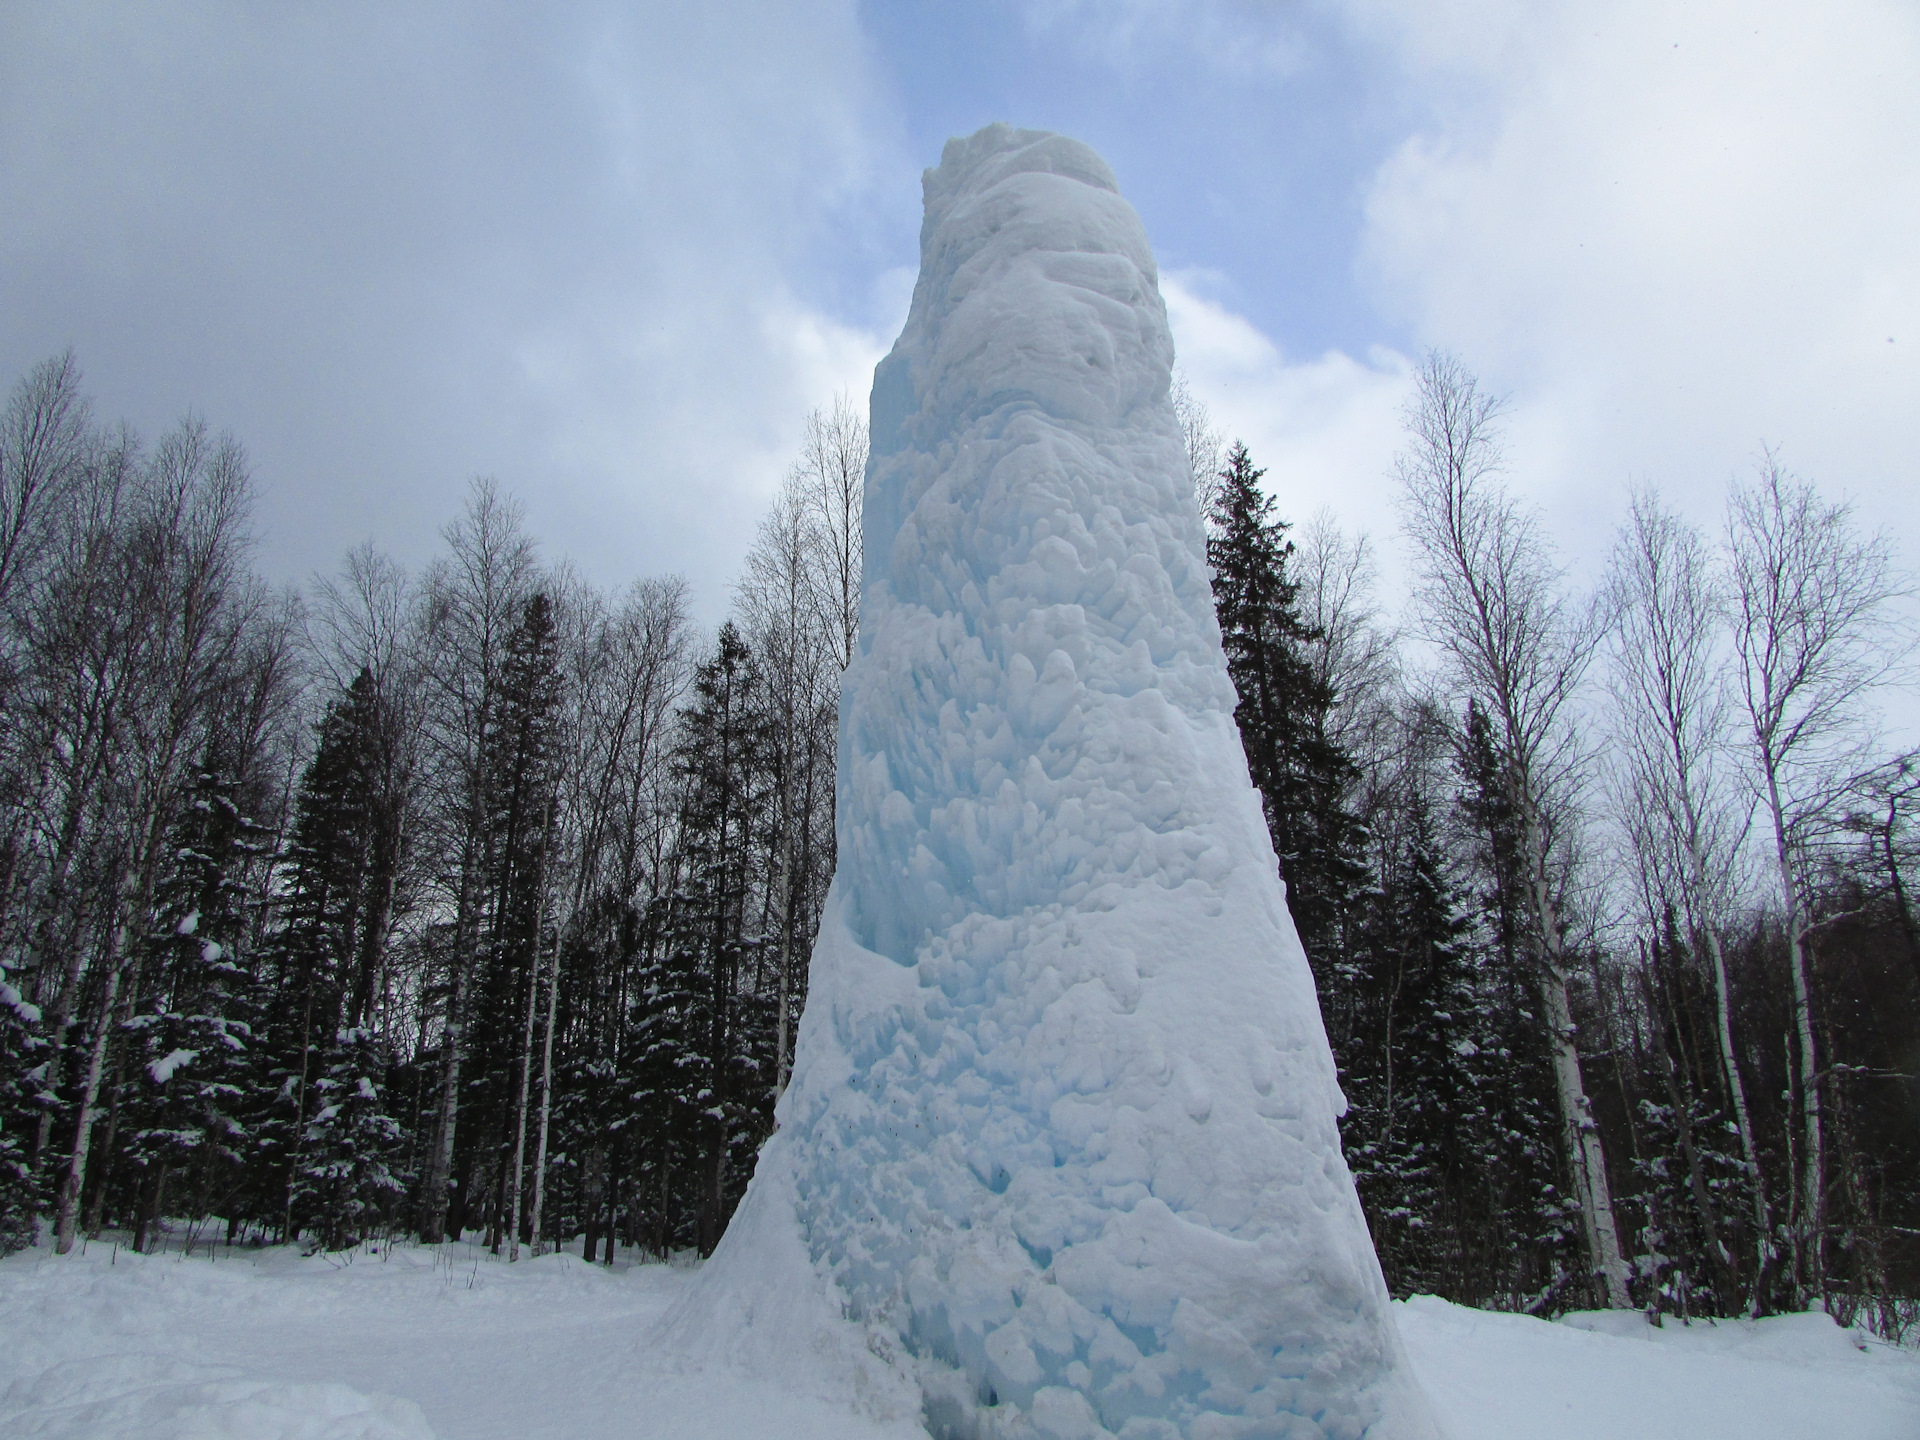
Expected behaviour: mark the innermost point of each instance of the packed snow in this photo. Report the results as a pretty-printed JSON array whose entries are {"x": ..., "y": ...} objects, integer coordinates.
[
  {"x": 449, "y": 1342},
  {"x": 1061, "y": 1139}
]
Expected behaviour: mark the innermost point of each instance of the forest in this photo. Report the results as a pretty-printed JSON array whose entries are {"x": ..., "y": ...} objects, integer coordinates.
[{"x": 478, "y": 900}]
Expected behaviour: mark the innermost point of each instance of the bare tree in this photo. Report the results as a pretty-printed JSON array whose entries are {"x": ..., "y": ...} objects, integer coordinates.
[
  {"x": 1671, "y": 707},
  {"x": 1203, "y": 442},
  {"x": 1815, "y": 634},
  {"x": 827, "y": 489},
  {"x": 801, "y": 651},
  {"x": 46, "y": 440},
  {"x": 83, "y": 643},
  {"x": 473, "y": 597},
  {"x": 1491, "y": 602},
  {"x": 185, "y": 547},
  {"x": 1352, "y": 652}
]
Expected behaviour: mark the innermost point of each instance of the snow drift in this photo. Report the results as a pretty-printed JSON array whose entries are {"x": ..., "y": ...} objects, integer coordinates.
[{"x": 1062, "y": 1120}]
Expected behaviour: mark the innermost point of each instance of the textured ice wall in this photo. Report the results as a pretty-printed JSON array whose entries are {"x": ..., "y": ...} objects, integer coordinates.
[{"x": 1063, "y": 1114}]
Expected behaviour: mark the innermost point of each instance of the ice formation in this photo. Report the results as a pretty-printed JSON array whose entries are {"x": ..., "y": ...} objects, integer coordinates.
[{"x": 1061, "y": 1126}]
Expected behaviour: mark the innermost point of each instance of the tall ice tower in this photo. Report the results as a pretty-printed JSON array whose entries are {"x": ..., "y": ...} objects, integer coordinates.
[{"x": 1062, "y": 1117}]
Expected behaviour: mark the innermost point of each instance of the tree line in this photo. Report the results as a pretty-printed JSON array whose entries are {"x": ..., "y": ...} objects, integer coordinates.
[
  {"x": 478, "y": 901},
  {"x": 471, "y": 901},
  {"x": 1605, "y": 896}
]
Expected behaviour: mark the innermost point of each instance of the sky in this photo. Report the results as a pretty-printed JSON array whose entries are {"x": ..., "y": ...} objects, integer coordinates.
[{"x": 612, "y": 254}]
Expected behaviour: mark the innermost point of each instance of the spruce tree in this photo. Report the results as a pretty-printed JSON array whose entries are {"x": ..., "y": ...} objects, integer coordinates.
[
  {"x": 312, "y": 963},
  {"x": 193, "y": 1039},
  {"x": 520, "y": 755},
  {"x": 1414, "y": 1068},
  {"x": 22, "y": 1055},
  {"x": 704, "y": 1028},
  {"x": 1531, "y": 1257},
  {"x": 1304, "y": 777},
  {"x": 351, "y": 1174}
]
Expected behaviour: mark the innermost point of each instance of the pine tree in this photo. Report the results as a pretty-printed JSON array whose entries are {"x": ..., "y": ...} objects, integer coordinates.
[
  {"x": 704, "y": 1028},
  {"x": 192, "y": 1042},
  {"x": 1304, "y": 777},
  {"x": 315, "y": 955},
  {"x": 22, "y": 1052},
  {"x": 521, "y": 752},
  {"x": 1531, "y": 1256}
]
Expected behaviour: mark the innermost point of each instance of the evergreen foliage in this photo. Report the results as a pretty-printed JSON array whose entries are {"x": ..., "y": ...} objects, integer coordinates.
[
  {"x": 191, "y": 1044},
  {"x": 1303, "y": 775},
  {"x": 21, "y": 1064},
  {"x": 703, "y": 1027},
  {"x": 320, "y": 964},
  {"x": 351, "y": 1176}
]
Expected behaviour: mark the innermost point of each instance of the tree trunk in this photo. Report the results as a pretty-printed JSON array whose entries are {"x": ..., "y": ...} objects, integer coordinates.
[
  {"x": 546, "y": 1094},
  {"x": 133, "y": 901},
  {"x": 433, "y": 1221},
  {"x": 152, "y": 1232},
  {"x": 298, "y": 1148},
  {"x": 96, "y": 1202},
  {"x": 1743, "y": 1120},
  {"x": 526, "y": 1056},
  {"x": 1810, "y": 1270},
  {"x": 1586, "y": 1154},
  {"x": 60, "y": 1012},
  {"x": 66, "y": 1204}
]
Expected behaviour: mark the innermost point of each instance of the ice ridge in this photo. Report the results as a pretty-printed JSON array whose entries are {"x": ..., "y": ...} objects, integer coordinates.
[{"x": 1062, "y": 1119}]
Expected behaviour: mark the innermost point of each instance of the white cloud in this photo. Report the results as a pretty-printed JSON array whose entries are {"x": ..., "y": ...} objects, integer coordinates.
[
  {"x": 394, "y": 248},
  {"x": 1129, "y": 35},
  {"x": 1670, "y": 233},
  {"x": 1325, "y": 429}
]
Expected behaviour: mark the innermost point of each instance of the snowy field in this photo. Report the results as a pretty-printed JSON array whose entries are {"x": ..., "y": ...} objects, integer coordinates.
[{"x": 447, "y": 1341}]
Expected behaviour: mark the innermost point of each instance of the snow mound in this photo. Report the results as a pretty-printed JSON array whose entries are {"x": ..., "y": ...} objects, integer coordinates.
[
  {"x": 1062, "y": 1118},
  {"x": 764, "y": 1307},
  {"x": 1609, "y": 1375},
  {"x": 137, "y": 1397}
]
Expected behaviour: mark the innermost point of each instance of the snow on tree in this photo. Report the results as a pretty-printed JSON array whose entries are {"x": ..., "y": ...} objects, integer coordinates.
[
  {"x": 346, "y": 1186},
  {"x": 193, "y": 1039},
  {"x": 1062, "y": 1122},
  {"x": 22, "y": 1060}
]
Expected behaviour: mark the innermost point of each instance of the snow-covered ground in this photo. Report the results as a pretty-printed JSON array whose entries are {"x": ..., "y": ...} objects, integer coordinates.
[{"x": 447, "y": 1341}]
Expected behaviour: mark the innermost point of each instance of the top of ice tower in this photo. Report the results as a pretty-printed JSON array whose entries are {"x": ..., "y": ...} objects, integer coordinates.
[
  {"x": 1022, "y": 414},
  {"x": 1035, "y": 280},
  {"x": 981, "y": 159}
]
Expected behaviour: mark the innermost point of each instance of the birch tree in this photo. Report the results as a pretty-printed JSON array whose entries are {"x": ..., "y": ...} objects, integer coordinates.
[
  {"x": 1490, "y": 601},
  {"x": 1671, "y": 703},
  {"x": 184, "y": 550},
  {"x": 827, "y": 489},
  {"x": 473, "y": 598},
  {"x": 1814, "y": 635}
]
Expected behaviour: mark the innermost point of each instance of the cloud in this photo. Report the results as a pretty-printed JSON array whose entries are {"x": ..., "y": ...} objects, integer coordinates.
[
  {"x": 590, "y": 249},
  {"x": 1325, "y": 429},
  {"x": 1134, "y": 35},
  {"x": 1669, "y": 233}
]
